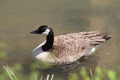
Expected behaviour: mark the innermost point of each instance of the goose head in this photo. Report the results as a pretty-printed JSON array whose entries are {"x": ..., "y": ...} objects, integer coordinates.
[{"x": 43, "y": 29}]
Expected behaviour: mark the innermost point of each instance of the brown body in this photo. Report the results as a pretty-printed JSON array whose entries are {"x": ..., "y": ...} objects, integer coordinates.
[{"x": 71, "y": 47}]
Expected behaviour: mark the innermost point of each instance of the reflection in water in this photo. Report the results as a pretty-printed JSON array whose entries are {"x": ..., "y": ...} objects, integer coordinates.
[
  {"x": 18, "y": 18},
  {"x": 63, "y": 72}
]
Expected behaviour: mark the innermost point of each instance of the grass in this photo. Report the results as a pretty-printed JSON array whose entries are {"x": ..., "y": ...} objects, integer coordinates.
[
  {"x": 99, "y": 74},
  {"x": 32, "y": 76},
  {"x": 10, "y": 73}
]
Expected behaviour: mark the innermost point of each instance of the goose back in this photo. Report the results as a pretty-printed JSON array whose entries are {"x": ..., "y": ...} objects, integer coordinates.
[{"x": 70, "y": 47}]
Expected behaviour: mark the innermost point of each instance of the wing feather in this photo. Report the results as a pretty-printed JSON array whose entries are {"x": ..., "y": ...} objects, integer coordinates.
[{"x": 70, "y": 47}]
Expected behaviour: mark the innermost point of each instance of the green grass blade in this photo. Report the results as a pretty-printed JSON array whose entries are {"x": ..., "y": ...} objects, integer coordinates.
[
  {"x": 112, "y": 75},
  {"x": 48, "y": 76},
  {"x": 10, "y": 73},
  {"x": 52, "y": 77}
]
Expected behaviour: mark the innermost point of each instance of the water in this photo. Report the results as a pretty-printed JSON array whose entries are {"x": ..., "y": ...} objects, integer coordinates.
[{"x": 19, "y": 18}]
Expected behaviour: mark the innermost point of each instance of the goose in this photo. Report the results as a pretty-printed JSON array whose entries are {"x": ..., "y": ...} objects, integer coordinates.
[{"x": 66, "y": 49}]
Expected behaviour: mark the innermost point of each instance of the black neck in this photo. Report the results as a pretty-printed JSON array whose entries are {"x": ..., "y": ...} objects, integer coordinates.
[{"x": 49, "y": 41}]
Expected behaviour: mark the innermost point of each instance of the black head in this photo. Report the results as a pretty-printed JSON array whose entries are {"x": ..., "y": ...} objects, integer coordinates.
[{"x": 40, "y": 30}]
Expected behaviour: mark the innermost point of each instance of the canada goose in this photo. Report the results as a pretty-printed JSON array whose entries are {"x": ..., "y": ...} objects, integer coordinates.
[{"x": 65, "y": 49}]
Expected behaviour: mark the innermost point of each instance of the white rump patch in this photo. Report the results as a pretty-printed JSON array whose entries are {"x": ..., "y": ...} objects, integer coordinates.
[
  {"x": 92, "y": 51},
  {"x": 46, "y": 31}
]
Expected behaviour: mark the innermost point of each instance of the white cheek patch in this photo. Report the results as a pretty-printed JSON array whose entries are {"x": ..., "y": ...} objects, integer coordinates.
[{"x": 46, "y": 31}]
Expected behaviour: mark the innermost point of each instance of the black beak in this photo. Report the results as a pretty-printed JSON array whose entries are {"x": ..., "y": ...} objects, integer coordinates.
[{"x": 33, "y": 32}]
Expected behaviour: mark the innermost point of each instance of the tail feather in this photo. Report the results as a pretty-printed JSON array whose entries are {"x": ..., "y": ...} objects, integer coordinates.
[
  {"x": 100, "y": 38},
  {"x": 105, "y": 36}
]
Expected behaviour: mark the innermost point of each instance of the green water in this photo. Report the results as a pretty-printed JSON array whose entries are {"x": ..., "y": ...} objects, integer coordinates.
[{"x": 19, "y": 18}]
